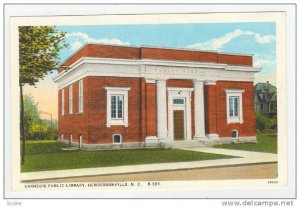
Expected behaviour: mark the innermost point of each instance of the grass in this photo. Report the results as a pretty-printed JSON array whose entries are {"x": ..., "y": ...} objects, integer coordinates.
[
  {"x": 48, "y": 155},
  {"x": 266, "y": 142}
]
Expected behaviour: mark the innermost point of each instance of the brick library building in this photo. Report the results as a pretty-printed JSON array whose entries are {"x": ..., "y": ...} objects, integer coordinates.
[{"x": 126, "y": 97}]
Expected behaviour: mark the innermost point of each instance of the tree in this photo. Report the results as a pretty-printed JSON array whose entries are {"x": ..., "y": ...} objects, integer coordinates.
[
  {"x": 31, "y": 114},
  {"x": 39, "y": 48}
]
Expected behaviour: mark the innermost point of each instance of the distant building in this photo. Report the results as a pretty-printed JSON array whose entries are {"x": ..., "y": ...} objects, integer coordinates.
[{"x": 265, "y": 98}]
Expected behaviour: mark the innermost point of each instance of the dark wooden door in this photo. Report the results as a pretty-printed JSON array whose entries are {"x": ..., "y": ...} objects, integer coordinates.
[{"x": 178, "y": 120}]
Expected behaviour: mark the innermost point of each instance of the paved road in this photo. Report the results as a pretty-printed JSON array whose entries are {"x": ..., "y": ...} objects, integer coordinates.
[{"x": 253, "y": 171}]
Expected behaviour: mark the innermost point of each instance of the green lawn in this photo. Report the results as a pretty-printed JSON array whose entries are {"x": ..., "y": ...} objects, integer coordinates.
[
  {"x": 48, "y": 155},
  {"x": 266, "y": 142}
]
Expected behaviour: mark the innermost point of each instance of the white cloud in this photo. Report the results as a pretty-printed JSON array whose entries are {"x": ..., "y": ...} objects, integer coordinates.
[
  {"x": 217, "y": 43},
  {"x": 82, "y": 38},
  {"x": 76, "y": 45},
  {"x": 261, "y": 62}
]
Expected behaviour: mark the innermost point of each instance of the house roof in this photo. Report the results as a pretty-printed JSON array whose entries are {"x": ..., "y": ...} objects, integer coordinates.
[
  {"x": 260, "y": 87},
  {"x": 135, "y": 53}
]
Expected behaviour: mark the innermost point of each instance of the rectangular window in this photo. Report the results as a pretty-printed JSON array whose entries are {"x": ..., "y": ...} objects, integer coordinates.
[
  {"x": 117, "y": 105},
  {"x": 62, "y": 102},
  {"x": 233, "y": 106},
  {"x": 70, "y": 99},
  {"x": 178, "y": 101},
  {"x": 80, "y": 96}
]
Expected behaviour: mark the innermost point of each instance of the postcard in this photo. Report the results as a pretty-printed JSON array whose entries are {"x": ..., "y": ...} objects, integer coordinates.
[{"x": 189, "y": 102}]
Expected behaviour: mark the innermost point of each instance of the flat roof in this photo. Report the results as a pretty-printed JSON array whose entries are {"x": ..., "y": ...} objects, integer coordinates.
[{"x": 159, "y": 53}]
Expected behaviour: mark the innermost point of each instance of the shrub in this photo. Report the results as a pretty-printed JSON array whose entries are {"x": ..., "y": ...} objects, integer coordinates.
[
  {"x": 40, "y": 131},
  {"x": 265, "y": 123}
]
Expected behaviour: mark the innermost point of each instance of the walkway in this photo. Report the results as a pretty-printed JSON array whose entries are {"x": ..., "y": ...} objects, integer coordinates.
[{"x": 245, "y": 157}]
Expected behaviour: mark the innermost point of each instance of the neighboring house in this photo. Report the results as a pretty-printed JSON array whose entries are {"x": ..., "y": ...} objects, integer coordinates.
[
  {"x": 265, "y": 98},
  {"x": 140, "y": 96}
]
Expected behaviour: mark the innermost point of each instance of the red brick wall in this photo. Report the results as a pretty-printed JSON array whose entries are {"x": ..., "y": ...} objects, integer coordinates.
[
  {"x": 142, "y": 110},
  {"x": 210, "y": 100},
  {"x": 75, "y": 123},
  {"x": 168, "y": 54},
  {"x": 248, "y": 127},
  {"x": 235, "y": 59},
  {"x": 103, "y": 51},
  {"x": 96, "y": 95}
]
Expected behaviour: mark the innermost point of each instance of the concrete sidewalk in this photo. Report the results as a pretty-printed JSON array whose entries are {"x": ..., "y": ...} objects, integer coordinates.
[{"x": 245, "y": 157}]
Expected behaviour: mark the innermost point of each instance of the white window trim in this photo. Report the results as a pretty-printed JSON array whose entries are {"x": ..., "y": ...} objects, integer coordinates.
[
  {"x": 237, "y": 93},
  {"x": 113, "y": 141},
  {"x": 237, "y": 134},
  {"x": 62, "y": 102},
  {"x": 116, "y": 91},
  {"x": 80, "y": 96},
  {"x": 71, "y": 99}
]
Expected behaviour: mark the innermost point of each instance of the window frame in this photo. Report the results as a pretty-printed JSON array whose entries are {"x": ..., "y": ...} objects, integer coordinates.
[
  {"x": 178, "y": 98},
  {"x": 80, "y": 96},
  {"x": 117, "y": 107},
  {"x": 117, "y": 91},
  {"x": 71, "y": 99},
  {"x": 237, "y": 134},
  {"x": 234, "y": 93},
  {"x": 113, "y": 140}
]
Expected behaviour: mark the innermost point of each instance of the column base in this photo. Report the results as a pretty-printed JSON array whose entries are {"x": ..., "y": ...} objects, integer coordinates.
[
  {"x": 212, "y": 136},
  {"x": 201, "y": 138},
  {"x": 165, "y": 143}
]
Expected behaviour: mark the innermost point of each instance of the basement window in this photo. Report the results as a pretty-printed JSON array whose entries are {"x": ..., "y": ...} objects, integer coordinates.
[
  {"x": 117, "y": 138},
  {"x": 235, "y": 134}
]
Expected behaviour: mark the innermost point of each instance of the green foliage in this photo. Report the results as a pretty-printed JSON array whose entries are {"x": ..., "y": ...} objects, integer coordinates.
[
  {"x": 265, "y": 123},
  {"x": 39, "y": 48},
  {"x": 51, "y": 133},
  {"x": 38, "y": 130},
  {"x": 35, "y": 127},
  {"x": 31, "y": 114},
  {"x": 41, "y": 131}
]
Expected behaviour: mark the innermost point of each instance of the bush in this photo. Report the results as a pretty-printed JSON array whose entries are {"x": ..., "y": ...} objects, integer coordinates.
[
  {"x": 40, "y": 131},
  {"x": 265, "y": 123},
  {"x": 51, "y": 133}
]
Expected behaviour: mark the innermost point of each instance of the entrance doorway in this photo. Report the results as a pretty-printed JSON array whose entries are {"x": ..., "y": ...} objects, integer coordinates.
[
  {"x": 179, "y": 114},
  {"x": 178, "y": 120}
]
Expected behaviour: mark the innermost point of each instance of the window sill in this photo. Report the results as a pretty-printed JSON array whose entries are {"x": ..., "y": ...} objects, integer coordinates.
[{"x": 235, "y": 122}]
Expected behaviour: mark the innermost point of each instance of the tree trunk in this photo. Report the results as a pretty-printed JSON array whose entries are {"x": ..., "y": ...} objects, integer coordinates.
[{"x": 22, "y": 130}]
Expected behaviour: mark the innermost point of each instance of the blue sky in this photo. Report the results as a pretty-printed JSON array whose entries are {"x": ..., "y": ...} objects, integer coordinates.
[{"x": 254, "y": 38}]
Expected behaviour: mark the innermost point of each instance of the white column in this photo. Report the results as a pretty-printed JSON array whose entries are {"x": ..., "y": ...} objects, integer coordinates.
[
  {"x": 161, "y": 101},
  {"x": 199, "y": 110}
]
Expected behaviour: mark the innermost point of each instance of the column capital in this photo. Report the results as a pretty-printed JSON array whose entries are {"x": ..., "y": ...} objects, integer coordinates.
[
  {"x": 198, "y": 81},
  {"x": 161, "y": 80},
  {"x": 210, "y": 82},
  {"x": 150, "y": 80}
]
